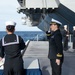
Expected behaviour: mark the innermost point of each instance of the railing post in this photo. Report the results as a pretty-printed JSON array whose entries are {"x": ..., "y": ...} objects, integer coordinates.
[
  {"x": 37, "y": 37},
  {"x": 70, "y": 38}
]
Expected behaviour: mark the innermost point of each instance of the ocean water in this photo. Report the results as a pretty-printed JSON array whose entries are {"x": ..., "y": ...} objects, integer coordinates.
[{"x": 28, "y": 35}]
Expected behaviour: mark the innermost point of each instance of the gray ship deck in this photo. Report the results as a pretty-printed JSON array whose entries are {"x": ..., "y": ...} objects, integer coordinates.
[{"x": 39, "y": 50}]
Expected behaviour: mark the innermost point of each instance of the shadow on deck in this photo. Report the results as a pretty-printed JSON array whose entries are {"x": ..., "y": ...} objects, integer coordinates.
[{"x": 39, "y": 50}]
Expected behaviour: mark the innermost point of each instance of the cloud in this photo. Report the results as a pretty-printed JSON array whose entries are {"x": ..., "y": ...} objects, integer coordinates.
[{"x": 8, "y": 11}]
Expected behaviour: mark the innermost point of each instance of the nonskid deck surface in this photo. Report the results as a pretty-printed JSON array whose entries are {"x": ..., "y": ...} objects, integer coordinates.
[{"x": 39, "y": 50}]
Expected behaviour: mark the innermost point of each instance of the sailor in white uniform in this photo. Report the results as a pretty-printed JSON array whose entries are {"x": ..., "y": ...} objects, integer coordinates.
[{"x": 10, "y": 48}]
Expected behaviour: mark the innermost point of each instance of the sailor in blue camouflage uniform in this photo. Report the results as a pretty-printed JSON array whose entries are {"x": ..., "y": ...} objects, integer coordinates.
[
  {"x": 55, "y": 47},
  {"x": 10, "y": 48}
]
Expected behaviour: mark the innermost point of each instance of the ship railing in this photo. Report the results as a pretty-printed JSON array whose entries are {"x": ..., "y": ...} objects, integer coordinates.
[
  {"x": 38, "y": 37},
  {"x": 26, "y": 43}
]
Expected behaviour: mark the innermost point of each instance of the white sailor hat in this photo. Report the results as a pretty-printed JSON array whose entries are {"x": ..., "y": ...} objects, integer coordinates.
[
  {"x": 73, "y": 27},
  {"x": 56, "y": 21},
  {"x": 11, "y": 23},
  {"x": 65, "y": 26}
]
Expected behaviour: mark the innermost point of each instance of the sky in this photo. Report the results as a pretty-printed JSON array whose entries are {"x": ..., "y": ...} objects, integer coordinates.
[{"x": 8, "y": 12}]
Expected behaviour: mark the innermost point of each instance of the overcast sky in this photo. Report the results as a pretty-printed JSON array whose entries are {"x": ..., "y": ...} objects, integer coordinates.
[{"x": 8, "y": 11}]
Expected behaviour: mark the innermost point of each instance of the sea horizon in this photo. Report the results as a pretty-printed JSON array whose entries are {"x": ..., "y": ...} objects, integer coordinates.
[{"x": 27, "y": 35}]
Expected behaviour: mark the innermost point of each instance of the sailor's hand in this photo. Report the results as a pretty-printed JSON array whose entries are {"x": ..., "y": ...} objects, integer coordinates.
[
  {"x": 58, "y": 61},
  {"x": 1, "y": 58}
]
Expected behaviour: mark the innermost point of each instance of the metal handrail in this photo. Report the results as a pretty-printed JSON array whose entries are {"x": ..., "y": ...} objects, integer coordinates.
[
  {"x": 26, "y": 43},
  {"x": 37, "y": 37}
]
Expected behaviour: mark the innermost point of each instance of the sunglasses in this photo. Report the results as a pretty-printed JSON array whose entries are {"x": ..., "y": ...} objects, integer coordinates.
[{"x": 53, "y": 24}]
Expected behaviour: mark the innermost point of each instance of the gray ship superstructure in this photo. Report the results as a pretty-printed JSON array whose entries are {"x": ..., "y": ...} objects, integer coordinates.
[{"x": 37, "y": 11}]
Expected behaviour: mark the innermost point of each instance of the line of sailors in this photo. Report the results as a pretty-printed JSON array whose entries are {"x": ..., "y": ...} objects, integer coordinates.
[{"x": 66, "y": 37}]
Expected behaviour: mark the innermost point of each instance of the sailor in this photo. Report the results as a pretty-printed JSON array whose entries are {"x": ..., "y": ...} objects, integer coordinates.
[
  {"x": 10, "y": 49},
  {"x": 73, "y": 37},
  {"x": 55, "y": 47},
  {"x": 65, "y": 35}
]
